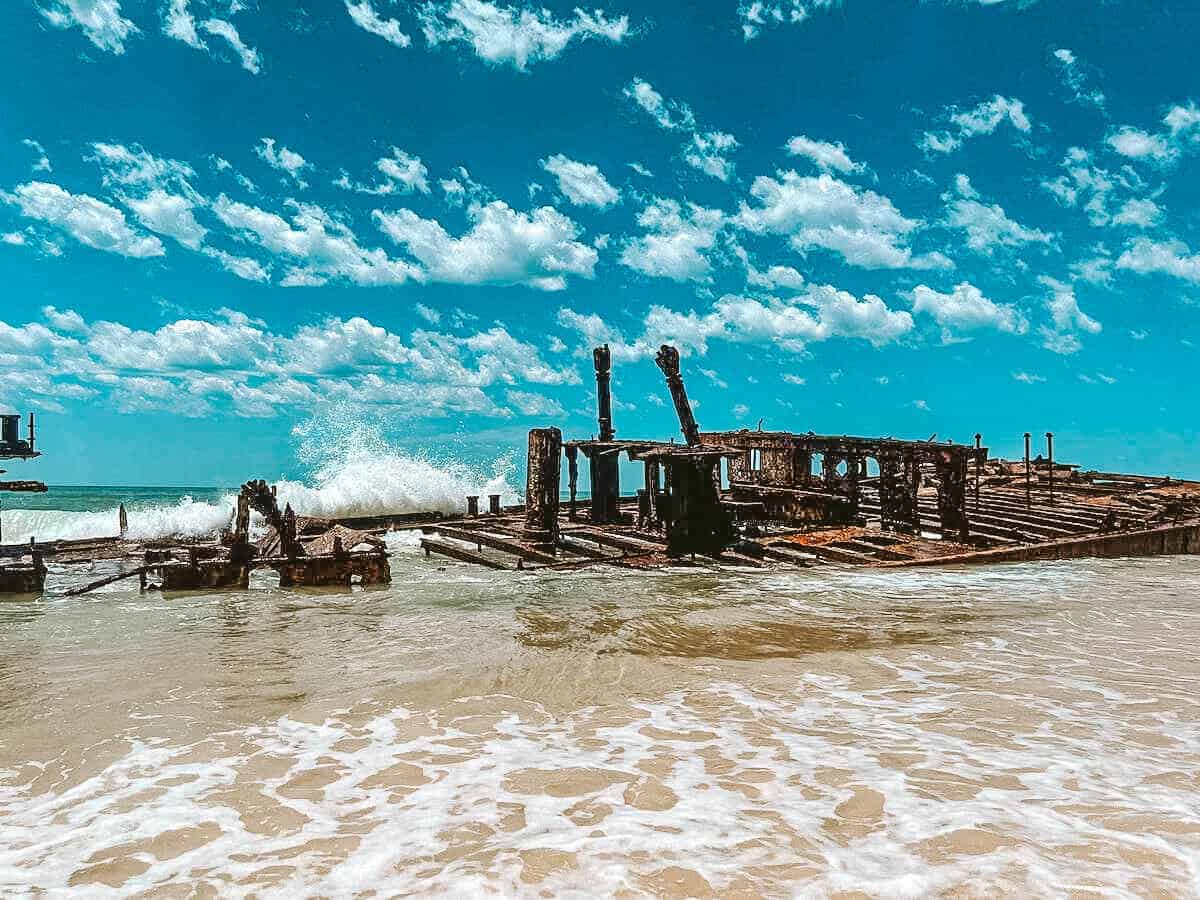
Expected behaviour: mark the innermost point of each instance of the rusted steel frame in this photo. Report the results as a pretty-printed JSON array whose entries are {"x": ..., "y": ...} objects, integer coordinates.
[
  {"x": 110, "y": 579},
  {"x": 429, "y": 545},
  {"x": 630, "y": 545},
  {"x": 1180, "y": 539},
  {"x": 898, "y": 481},
  {"x": 1026, "y": 525},
  {"x": 483, "y": 539},
  {"x": 952, "y": 494},
  {"x": 651, "y": 472},
  {"x": 699, "y": 523},
  {"x": 792, "y": 557},
  {"x": 837, "y": 554},
  {"x": 604, "y": 469},
  {"x": 819, "y": 443},
  {"x": 580, "y": 549},
  {"x": 740, "y": 559}
]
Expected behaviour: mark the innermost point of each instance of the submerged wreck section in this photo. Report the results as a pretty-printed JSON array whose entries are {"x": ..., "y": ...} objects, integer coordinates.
[
  {"x": 766, "y": 498},
  {"x": 20, "y": 572},
  {"x": 305, "y": 552}
]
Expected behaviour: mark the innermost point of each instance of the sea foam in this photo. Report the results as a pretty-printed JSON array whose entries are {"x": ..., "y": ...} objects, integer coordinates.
[{"x": 354, "y": 474}]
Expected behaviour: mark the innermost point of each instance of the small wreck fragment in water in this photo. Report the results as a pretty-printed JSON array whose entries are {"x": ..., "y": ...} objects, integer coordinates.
[
  {"x": 20, "y": 572},
  {"x": 762, "y": 498}
]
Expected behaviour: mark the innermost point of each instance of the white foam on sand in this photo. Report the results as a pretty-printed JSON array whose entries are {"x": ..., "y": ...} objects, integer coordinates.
[{"x": 827, "y": 789}]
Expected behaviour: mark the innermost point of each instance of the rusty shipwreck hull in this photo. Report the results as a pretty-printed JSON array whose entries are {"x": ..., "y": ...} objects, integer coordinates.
[{"x": 778, "y": 498}]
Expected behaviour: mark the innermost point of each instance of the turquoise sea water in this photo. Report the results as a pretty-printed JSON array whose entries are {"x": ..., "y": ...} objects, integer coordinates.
[{"x": 90, "y": 498}]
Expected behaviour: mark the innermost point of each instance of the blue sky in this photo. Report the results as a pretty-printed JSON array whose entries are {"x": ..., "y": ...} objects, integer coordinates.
[{"x": 223, "y": 220}]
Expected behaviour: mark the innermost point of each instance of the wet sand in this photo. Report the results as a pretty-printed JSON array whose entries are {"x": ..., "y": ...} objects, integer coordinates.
[{"x": 1024, "y": 729}]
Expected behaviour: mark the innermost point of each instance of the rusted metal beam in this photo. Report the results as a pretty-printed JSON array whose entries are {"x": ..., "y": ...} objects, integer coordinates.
[
  {"x": 429, "y": 545},
  {"x": 483, "y": 539}
]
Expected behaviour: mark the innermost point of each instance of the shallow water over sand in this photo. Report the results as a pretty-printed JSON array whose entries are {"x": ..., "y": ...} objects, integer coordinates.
[{"x": 1030, "y": 729}]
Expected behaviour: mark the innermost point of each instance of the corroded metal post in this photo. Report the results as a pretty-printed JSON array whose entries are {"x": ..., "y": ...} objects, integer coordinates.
[
  {"x": 668, "y": 361},
  {"x": 122, "y": 522},
  {"x": 241, "y": 520},
  {"x": 651, "y": 472},
  {"x": 698, "y": 524},
  {"x": 602, "y": 358},
  {"x": 914, "y": 491},
  {"x": 854, "y": 466},
  {"x": 978, "y": 466},
  {"x": 288, "y": 544},
  {"x": 494, "y": 504},
  {"x": 952, "y": 494},
  {"x": 544, "y": 471},
  {"x": 472, "y": 505},
  {"x": 604, "y": 465},
  {"x": 1050, "y": 454},
  {"x": 572, "y": 478},
  {"x": 1028, "y": 498}
]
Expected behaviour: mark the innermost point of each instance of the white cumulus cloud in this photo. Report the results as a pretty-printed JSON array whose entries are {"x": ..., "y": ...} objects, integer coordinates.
[
  {"x": 965, "y": 309},
  {"x": 863, "y": 227},
  {"x": 755, "y": 15},
  {"x": 676, "y": 243},
  {"x": 88, "y": 220},
  {"x": 669, "y": 114},
  {"x": 366, "y": 18},
  {"x": 982, "y": 119},
  {"x": 581, "y": 183},
  {"x": 318, "y": 246},
  {"x": 539, "y": 249},
  {"x": 511, "y": 35},
  {"x": 288, "y": 161},
  {"x": 100, "y": 20},
  {"x": 827, "y": 156},
  {"x": 987, "y": 226}
]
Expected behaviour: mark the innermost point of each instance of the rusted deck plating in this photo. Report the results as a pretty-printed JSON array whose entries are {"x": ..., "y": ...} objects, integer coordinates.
[{"x": 762, "y": 498}]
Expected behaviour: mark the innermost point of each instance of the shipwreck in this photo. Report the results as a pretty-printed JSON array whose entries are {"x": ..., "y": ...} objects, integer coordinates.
[
  {"x": 776, "y": 498},
  {"x": 744, "y": 498}
]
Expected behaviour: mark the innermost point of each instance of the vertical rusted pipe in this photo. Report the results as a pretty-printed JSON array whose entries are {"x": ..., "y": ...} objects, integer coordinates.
[
  {"x": 494, "y": 504},
  {"x": 1050, "y": 453},
  {"x": 602, "y": 358},
  {"x": 472, "y": 505},
  {"x": 1028, "y": 474},
  {"x": 668, "y": 361}
]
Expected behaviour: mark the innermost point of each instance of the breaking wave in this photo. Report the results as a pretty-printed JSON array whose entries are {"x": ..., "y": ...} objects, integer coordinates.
[{"x": 353, "y": 472}]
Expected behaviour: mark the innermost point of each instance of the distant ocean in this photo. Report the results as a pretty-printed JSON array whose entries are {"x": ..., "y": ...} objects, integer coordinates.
[{"x": 373, "y": 481}]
